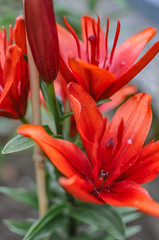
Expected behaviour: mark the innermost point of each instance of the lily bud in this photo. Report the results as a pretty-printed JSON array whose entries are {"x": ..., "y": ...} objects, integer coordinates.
[{"x": 42, "y": 37}]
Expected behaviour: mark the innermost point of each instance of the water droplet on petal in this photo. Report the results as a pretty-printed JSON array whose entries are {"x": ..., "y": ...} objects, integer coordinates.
[
  {"x": 83, "y": 105},
  {"x": 129, "y": 141},
  {"x": 122, "y": 64}
]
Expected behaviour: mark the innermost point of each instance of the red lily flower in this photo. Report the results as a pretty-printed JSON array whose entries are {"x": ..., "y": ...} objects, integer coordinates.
[
  {"x": 14, "y": 82},
  {"x": 116, "y": 99},
  {"x": 90, "y": 64},
  {"x": 116, "y": 161},
  {"x": 42, "y": 37}
]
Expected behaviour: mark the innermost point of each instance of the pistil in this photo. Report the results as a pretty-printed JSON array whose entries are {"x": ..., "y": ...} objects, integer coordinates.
[{"x": 92, "y": 40}]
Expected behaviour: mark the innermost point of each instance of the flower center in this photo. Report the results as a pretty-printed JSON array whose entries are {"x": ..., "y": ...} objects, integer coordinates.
[{"x": 93, "y": 42}]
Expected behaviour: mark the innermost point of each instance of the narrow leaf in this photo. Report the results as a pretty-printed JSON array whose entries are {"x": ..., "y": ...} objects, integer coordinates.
[
  {"x": 22, "y": 195},
  {"x": 104, "y": 217},
  {"x": 103, "y": 101},
  {"x": 21, "y": 227},
  {"x": 131, "y": 231},
  {"x": 18, "y": 227},
  {"x": 20, "y": 143},
  {"x": 45, "y": 220},
  {"x": 131, "y": 217},
  {"x": 17, "y": 144},
  {"x": 66, "y": 115}
]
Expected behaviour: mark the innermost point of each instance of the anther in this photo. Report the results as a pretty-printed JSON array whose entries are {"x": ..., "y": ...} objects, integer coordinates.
[
  {"x": 110, "y": 143},
  {"x": 103, "y": 174}
]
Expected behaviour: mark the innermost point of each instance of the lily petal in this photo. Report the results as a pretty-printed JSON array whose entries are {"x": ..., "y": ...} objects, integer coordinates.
[
  {"x": 13, "y": 56},
  {"x": 68, "y": 44},
  {"x": 79, "y": 188},
  {"x": 19, "y": 33},
  {"x": 118, "y": 98},
  {"x": 136, "y": 116},
  {"x": 65, "y": 71},
  {"x": 89, "y": 121},
  {"x": 133, "y": 71},
  {"x": 146, "y": 167},
  {"x": 66, "y": 156},
  {"x": 127, "y": 193},
  {"x": 88, "y": 76},
  {"x": 127, "y": 53}
]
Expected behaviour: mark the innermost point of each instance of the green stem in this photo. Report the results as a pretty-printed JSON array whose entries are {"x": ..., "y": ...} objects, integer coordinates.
[
  {"x": 72, "y": 222},
  {"x": 52, "y": 105},
  {"x": 24, "y": 120}
]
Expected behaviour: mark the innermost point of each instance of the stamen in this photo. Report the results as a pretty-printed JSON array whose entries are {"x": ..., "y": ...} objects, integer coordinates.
[
  {"x": 94, "y": 30},
  {"x": 114, "y": 44},
  {"x": 103, "y": 174},
  {"x": 74, "y": 35},
  {"x": 96, "y": 42},
  {"x": 98, "y": 39},
  {"x": 106, "y": 43},
  {"x": 92, "y": 41},
  {"x": 95, "y": 192},
  {"x": 86, "y": 32}
]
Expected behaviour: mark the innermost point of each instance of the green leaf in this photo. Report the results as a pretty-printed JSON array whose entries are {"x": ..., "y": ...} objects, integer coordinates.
[
  {"x": 21, "y": 227},
  {"x": 103, "y": 101},
  {"x": 45, "y": 220},
  {"x": 17, "y": 144},
  {"x": 130, "y": 231},
  {"x": 22, "y": 195},
  {"x": 20, "y": 143},
  {"x": 60, "y": 105},
  {"x": 131, "y": 217},
  {"x": 44, "y": 92},
  {"x": 104, "y": 217},
  {"x": 18, "y": 227},
  {"x": 25, "y": 57},
  {"x": 66, "y": 115},
  {"x": 124, "y": 210}
]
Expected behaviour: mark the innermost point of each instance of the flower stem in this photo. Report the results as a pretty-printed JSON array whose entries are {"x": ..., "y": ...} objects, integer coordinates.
[
  {"x": 38, "y": 156},
  {"x": 53, "y": 108},
  {"x": 24, "y": 120},
  {"x": 72, "y": 223}
]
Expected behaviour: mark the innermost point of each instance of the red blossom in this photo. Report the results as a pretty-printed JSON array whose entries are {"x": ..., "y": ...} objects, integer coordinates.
[
  {"x": 90, "y": 63},
  {"x": 14, "y": 82},
  {"x": 115, "y": 162}
]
